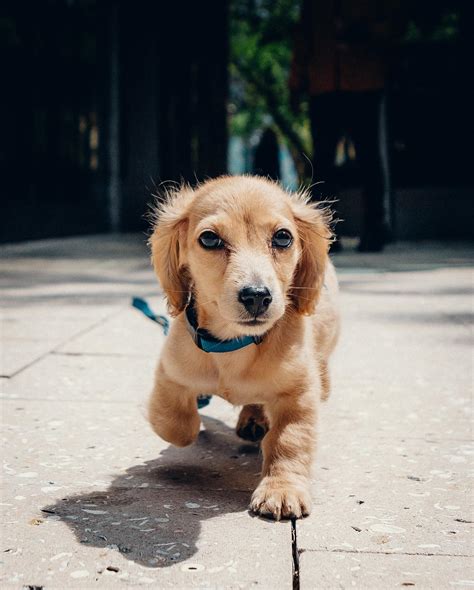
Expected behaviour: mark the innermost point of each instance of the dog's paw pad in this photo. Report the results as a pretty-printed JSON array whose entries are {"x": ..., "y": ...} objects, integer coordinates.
[
  {"x": 252, "y": 431},
  {"x": 277, "y": 500}
]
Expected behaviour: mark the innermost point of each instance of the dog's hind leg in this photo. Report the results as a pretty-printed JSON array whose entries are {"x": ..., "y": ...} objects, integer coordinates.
[
  {"x": 252, "y": 423},
  {"x": 172, "y": 412}
]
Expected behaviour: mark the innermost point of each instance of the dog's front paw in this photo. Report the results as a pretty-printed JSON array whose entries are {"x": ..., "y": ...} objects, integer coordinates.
[
  {"x": 277, "y": 498},
  {"x": 180, "y": 432}
]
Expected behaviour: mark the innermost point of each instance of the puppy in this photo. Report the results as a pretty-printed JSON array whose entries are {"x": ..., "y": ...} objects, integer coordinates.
[{"x": 245, "y": 269}]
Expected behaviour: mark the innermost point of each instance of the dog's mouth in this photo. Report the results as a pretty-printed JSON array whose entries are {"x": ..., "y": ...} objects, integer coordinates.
[{"x": 253, "y": 322}]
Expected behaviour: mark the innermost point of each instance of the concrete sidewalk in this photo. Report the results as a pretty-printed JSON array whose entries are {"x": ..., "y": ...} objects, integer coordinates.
[{"x": 92, "y": 498}]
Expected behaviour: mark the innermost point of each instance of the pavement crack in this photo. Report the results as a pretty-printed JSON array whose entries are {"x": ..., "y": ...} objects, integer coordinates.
[
  {"x": 368, "y": 552},
  {"x": 56, "y": 348},
  {"x": 101, "y": 354},
  {"x": 295, "y": 556}
]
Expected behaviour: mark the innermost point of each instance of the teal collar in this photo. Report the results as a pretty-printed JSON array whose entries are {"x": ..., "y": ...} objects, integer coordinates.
[{"x": 209, "y": 343}]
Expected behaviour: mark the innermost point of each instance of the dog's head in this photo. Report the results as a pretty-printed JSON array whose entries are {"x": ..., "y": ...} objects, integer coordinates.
[{"x": 245, "y": 248}]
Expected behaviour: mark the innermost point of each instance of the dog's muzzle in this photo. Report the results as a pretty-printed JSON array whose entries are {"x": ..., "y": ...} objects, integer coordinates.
[{"x": 255, "y": 299}]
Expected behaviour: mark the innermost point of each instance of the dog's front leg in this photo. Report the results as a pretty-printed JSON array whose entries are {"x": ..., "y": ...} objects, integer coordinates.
[
  {"x": 172, "y": 411},
  {"x": 288, "y": 450}
]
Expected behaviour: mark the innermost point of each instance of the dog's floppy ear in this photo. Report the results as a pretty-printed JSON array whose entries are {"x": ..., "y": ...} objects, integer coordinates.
[
  {"x": 315, "y": 236},
  {"x": 168, "y": 244}
]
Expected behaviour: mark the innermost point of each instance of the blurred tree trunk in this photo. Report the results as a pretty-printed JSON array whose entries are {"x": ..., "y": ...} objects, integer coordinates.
[{"x": 284, "y": 124}]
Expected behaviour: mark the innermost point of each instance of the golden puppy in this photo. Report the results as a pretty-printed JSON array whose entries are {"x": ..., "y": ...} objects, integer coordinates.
[{"x": 245, "y": 269}]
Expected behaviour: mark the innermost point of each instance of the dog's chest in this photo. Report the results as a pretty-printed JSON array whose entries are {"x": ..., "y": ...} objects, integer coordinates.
[
  {"x": 241, "y": 393},
  {"x": 240, "y": 381}
]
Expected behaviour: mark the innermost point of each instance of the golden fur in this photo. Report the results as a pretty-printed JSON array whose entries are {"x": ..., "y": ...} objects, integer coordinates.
[{"x": 280, "y": 381}]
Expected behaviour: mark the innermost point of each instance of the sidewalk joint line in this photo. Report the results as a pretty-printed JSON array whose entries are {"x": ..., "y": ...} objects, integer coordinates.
[
  {"x": 101, "y": 354},
  {"x": 295, "y": 556},
  {"x": 368, "y": 552},
  {"x": 66, "y": 341},
  {"x": 134, "y": 403}
]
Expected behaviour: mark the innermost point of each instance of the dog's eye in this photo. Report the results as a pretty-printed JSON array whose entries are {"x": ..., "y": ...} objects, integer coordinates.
[
  {"x": 210, "y": 240},
  {"x": 282, "y": 239}
]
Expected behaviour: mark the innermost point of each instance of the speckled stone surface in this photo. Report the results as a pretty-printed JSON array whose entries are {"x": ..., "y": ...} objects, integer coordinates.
[
  {"x": 84, "y": 378},
  {"x": 180, "y": 537},
  {"x": 402, "y": 495},
  {"x": 91, "y": 498},
  {"x": 376, "y": 571},
  {"x": 118, "y": 335},
  {"x": 96, "y": 445},
  {"x": 392, "y": 486}
]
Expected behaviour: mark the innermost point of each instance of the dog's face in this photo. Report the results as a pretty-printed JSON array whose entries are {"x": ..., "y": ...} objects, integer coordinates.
[
  {"x": 242, "y": 252},
  {"x": 245, "y": 248}
]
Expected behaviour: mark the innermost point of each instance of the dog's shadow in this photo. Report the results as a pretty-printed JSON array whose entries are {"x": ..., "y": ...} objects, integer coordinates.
[{"x": 152, "y": 513}]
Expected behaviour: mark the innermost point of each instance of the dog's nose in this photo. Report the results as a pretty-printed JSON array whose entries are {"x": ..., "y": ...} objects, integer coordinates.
[{"x": 256, "y": 300}]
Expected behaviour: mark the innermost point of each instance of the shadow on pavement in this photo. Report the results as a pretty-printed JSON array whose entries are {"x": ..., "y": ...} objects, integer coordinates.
[{"x": 153, "y": 512}]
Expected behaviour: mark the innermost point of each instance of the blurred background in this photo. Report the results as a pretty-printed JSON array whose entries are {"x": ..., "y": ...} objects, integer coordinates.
[{"x": 104, "y": 100}]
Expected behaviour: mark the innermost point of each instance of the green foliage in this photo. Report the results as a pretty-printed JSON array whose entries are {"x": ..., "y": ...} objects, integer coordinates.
[
  {"x": 261, "y": 38},
  {"x": 445, "y": 28}
]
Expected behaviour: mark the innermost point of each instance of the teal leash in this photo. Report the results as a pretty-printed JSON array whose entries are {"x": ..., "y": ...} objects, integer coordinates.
[
  {"x": 142, "y": 305},
  {"x": 161, "y": 320}
]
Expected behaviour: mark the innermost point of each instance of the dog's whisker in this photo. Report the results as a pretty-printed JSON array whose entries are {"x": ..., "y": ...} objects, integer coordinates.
[
  {"x": 305, "y": 288},
  {"x": 205, "y": 302},
  {"x": 307, "y": 298}
]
